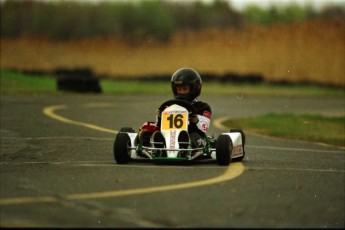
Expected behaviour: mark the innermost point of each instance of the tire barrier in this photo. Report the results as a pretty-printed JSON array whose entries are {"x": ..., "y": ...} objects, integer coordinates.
[{"x": 77, "y": 80}]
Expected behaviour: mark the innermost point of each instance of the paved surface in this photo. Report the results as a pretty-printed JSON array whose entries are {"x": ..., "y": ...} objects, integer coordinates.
[{"x": 57, "y": 169}]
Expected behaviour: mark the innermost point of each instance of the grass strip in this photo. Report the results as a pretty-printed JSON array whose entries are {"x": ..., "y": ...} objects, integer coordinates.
[
  {"x": 135, "y": 87},
  {"x": 18, "y": 83},
  {"x": 13, "y": 83},
  {"x": 308, "y": 127}
]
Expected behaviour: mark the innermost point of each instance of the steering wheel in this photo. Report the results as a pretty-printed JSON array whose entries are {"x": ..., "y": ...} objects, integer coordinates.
[{"x": 179, "y": 102}]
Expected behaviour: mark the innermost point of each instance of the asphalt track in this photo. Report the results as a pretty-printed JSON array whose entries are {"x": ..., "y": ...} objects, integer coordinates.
[{"x": 57, "y": 169}]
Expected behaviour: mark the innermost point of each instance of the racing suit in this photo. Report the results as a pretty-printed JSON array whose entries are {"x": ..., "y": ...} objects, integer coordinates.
[{"x": 199, "y": 123}]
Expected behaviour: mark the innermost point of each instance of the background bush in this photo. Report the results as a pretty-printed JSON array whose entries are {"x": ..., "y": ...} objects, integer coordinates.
[{"x": 155, "y": 19}]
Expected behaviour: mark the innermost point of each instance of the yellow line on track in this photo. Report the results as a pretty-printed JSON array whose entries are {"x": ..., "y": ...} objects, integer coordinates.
[
  {"x": 218, "y": 123},
  {"x": 231, "y": 172},
  {"x": 50, "y": 112}
]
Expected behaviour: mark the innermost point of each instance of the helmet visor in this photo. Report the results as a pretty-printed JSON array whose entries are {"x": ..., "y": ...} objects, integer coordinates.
[{"x": 182, "y": 89}]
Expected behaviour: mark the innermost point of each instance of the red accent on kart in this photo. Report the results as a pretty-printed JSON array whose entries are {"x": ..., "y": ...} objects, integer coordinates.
[
  {"x": 207, "y": 114},
  {"x": 150, "y": 126}
]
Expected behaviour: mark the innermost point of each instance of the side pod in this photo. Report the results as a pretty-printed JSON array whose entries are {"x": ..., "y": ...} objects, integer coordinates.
[{"x": 238, "y": 140}]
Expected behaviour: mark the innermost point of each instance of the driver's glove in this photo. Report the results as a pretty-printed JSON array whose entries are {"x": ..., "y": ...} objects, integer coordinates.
[{"x": 193, "y": 118}]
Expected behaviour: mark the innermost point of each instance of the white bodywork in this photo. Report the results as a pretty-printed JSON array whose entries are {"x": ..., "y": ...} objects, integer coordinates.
[
  {"x": 237, "y": 150},
  {"x": 133, "y": 136},
  {"x": 174, "y": 120}
]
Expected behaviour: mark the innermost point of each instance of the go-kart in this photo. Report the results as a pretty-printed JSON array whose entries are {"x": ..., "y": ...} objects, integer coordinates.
[{"x": 227, "y": 147}]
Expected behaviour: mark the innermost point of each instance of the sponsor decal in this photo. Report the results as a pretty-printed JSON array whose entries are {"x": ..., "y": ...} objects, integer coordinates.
[
  {"x": 237, "y": 151},
  {"x": 177, "y": 112},
  {"x": 172, "y": 139},
  {"x": 204, "y": 127},
  {"x": 207, "y": 114}
]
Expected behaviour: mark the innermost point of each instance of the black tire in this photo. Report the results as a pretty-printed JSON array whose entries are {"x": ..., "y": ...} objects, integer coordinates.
[
  {"x": 224, "y": 150},
  {"x": 121, "y": 148},
  {"x": 127, "y": 130}
]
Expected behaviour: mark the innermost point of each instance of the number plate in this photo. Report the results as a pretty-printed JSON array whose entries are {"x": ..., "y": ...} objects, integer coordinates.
[{"x": 174, "y": 120}]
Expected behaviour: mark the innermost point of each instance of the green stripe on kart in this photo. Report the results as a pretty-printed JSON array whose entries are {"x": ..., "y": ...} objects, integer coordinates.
[{"x": 171, "y": 159}]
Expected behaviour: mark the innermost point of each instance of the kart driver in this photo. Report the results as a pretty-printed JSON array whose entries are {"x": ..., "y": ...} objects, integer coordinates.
[{"x": 186, "y": 85}]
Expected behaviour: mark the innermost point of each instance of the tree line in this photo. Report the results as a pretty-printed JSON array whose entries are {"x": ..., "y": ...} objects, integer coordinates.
[{"x": 63, "y": 20}]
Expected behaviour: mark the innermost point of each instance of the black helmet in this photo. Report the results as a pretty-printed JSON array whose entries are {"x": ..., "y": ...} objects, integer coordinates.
[{"x": 186, "y": 76}]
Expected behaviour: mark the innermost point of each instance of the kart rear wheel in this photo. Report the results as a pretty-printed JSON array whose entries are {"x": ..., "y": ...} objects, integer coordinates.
[
  {"x": 127, "y": 130},
  {"x": 121, "y": 148},
  {"x": 223, "y": 150}
]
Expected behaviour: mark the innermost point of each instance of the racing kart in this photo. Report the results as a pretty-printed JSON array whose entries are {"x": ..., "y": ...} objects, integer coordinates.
[{"x": 229, "y": 146}]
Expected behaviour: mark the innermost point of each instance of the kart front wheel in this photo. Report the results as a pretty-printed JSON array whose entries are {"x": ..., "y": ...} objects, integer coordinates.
[
  {"x": 224, "y": 149},
  {"x": 122, "y": 150}
]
